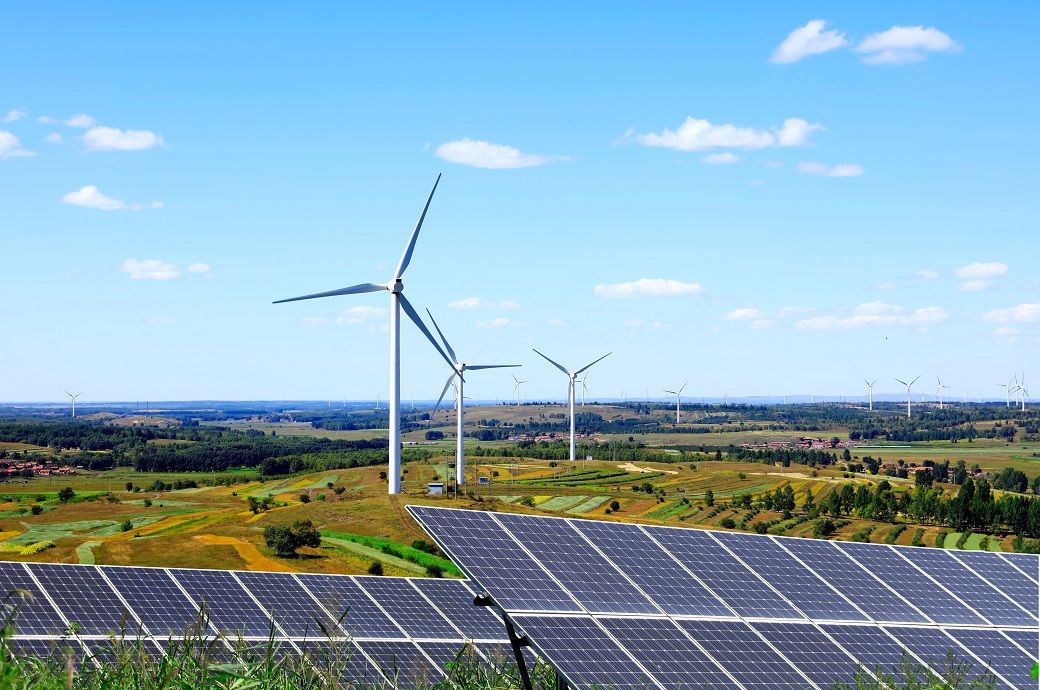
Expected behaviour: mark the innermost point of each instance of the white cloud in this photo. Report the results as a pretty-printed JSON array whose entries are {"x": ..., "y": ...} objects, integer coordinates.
[
  {"x": 150, "y": 269},
  {"x": 1022, "y": 313},
  {"x": 474, "y": 303},
  {"x": 789, "y": 312},
  {"x": 982, "y": 270},
  {"x": 91, "y": 197},
  {"x": 112, "y": 139},
  {"x": 902, "y": 44},
  {"x": 698, "y": 135},
  {"x": 744, "y": 314},
  {"x": 54, "y": 138},
  {"x": 811, "y": 39},
  {"x": 885, "y": 287},
  {"x": 11, "y": 147},
  {"x": 484, "y": 154},
  {"x": 159, "y": 321},
  {"x": 762, "y": 324},
  {"x": 876, "y": 314},
  {"x": 973, "y": 285},
  {"x": 80, "y": 121},
  {"x": 467, "y": 304},
  {"x": 361, "y": 314},
  {"x": 199, "y": 268},
  {"x": 927, "y": 274},
  {"x": 557, "y": 323},
  {"x": 635, "y": 324},
  {"x": 312, "y": 321},
  {"x": 13, "y": 115},
  {"x": 721, "y": 158},
  {"x": 1006, "y": 333},
  {"x": 839, "y": 170},
  {"x": 47, "y": 120},
  {"x": 497, "y": 322},
  {"x": 650, "y": 287}
]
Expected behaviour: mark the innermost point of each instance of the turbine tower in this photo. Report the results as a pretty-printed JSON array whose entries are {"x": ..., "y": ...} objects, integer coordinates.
[
  {"x": 870, "y": 391},
  {"x": 459, "y": 370},
  {"x": 516, "y": 389},
  {"x": 584, "y": 389},
  {"x": 571, "y": 376},
  {"x": 908, "y": 393},
  {"x": 939, "y": 390},
  {"x": 79, "y": 394},
  {"x": 397, "y": 302},
  {"x": 676, "y": 394}
]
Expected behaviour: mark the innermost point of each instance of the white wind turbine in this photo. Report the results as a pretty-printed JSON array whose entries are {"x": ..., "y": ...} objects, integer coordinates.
[
  {"x": 397, "y": 302},
  {"x": 1023, "y": 392},
  {"x": 571, "y": 377},
  {"x": 939, "y": 390},
  {"x": 517, "y": 391},
  {"x": 677, "y": 399},
  {"x": 870, "y": 391},
  {"x": 458, "y": 372},
  {"x": 908, "y": 392},
  {"x": 73, "y": 402},
  {"x": 1009, "y": 388},
  {"x": 584, "y": 389}
]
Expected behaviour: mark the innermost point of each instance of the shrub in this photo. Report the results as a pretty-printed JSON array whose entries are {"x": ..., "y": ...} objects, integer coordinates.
[
  {"x": 727, "y": 522},
  {"x": 126, "y": 526},
  {"x": 434, "y": 570},
  {"x": 37, "y": 547},
  {"x": 893, "y": 534},
  {"x": 918, "y": 538},
  {"x": 147, "y": 503},
  {"x": 305, "y": 497},
  {"x": 940, "y": 538},
  {"x": 36, "y": 509},
  {"x": 615, "y": 506},
  {"x": 285, "y": 540},
  {"x": 66, "y": 494},
  {"x": 376, "y": 568},
  {"x": 963, "y": 539},
  {"x": 823, "y": 528}
]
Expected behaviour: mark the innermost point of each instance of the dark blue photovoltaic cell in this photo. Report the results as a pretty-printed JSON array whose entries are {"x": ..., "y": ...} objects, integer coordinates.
[
  {"x": 1004, "y": 576},
  {"x": 229, "y": 607},
  {"x": 745, "y": 655},
  {"x": 873, "y": 647},
  {"x": 797, "y": 583},
  {"x": 296, "y": 612},
  {"x": 969, "y": 587},
  {"x": 811, "y": 651},
  {"x": 867, "y": 593},
  {"x": 403, "y": 663},
  {"x": 445, "y": 654},
  {"x": 993, "y": 649},
  {"x": 1029, "y": 640},
  {"x": 108, "y": 651},
  {"x": 157, "y": 601},
  {"x": 35, "y": 615},
  {"x": 577, "y": 565},
  {"x": 667, "y": 583},
  {"x": 343, "y": 663},
  {"x": 885, "y": 563},
  {"x": 345, "y": 601},
  {"x": 455, "y": 601},
  {"x": 584, "y": 654},
  {"x": 84, "y": 598},
  {"x": 668, "y": 654},
  {"x": 57, "y": 649},
  {"x": 408, "y": 608},
  {"x": 738, "y": 586},
  {"x": 489, "y": 555},
  {"x": 1026, "y": 562},
  {"x": 932, "y": 646}
]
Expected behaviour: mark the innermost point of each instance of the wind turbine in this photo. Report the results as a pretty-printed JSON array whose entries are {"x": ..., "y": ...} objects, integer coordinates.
[
  {"x": 939, "y": 390},
  {"x": 458, "y": 372},
  {"x": 1023, "y": 392},
  {"x": 516, "y": 388},
  {"x": 870, "y": 391},
  {"x": 584, "y": 389},
  {"x": 908, "y": 392},
  {"x": 397, "y": 302},
  {"x": 571, "y": 376},
  {"x": 74, "y": 402},
  {"x": 1009, "y": 387},
  {"x": 676, "y": 394}
]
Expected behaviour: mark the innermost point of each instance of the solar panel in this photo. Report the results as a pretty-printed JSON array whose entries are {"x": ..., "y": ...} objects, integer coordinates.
[
  {"x": 157, "y": 600},
  {"x": 871, "y": 596},
  {"x": 229, "y": 607},
  {"x": 873, "y": 648},
  {"x": 671, "y": 586},
  {"x": 490, "y": 556},
  {"x": 668, "y": 654},
  {"x": 1026, "y": 562},
  {"x": 885, "y": 563},
  {"x": 86, "y": 600},
  {"x": 584, "y": 654},
  {"x": 54, "y": 650},
  {"x": 347, "y": 603},
  {"x": 108, "y": 651},
  {"x": 445, "y": 654},
  {"x": 799, "y": 585},
  {"x": 1012, "y": 581},
  {"x": 343, "y": 663},
  {"x": 809, "y": 649},
  {"x": 572, "y": 560},
  {"x": 1029, "y": 640},
  {"x": 934, "y": 647},
  {"x": 21, "y": 594},
  {"x": 297, "y": 613},
  {"x": 409, "y": 609},
  {"x": 741, "y": 589},
  {"x": 992, "y": 648},
  {"x": 751, "y": 660},
  {"x": 475, "y": 622},
  {"x": 403, "y": 663},
  {"x": 975, "y": 591}
]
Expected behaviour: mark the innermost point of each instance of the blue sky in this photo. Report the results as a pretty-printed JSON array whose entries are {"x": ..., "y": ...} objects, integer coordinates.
[{"x": 670, "y": 185}]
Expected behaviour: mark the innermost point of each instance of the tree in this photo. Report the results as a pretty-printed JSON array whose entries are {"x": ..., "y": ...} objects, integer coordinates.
[
  {"x": 285, "y": 540},
  {"x": 709, "y": 498},
  {"x": 376, "y": 568},
  {"x": 809, "y": 505},
  {"x": 615, "y": 506},
  {"x": 66, "y": 494},
  {"x": 305, "y": 497},
  {"x": 129, "y": 486},
  {"x": 126, "y": 526}
]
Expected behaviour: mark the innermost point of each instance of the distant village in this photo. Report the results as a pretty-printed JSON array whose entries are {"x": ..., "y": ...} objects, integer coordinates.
[{"x": 32, "y": 467}]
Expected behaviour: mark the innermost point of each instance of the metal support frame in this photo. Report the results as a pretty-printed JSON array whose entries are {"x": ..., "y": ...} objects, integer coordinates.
[{"x": 516, "y": 642}]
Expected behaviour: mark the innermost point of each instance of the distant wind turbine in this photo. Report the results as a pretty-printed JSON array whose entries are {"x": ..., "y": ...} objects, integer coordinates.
[
  {"x": 908, "y": 385},
  {"x": 74, "y": 402},
  {"x": 1009, "y": 387},
  {"x": 584, "y": 389},
  {"x": 397, "y": 302},
  {"x": 571, "y": 377},
  {"x": 677, "y": 395},
  {"x": 516, "y": 389},
  {"x": 939, "y": 390},
  {"x": 458, "y": 379},
  {"x": 870, "y": 391}
]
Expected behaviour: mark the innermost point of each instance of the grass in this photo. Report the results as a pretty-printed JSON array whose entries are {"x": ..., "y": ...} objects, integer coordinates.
[
  {"x": 396, "y": 549},
  {"x": 85, "y": 552}
]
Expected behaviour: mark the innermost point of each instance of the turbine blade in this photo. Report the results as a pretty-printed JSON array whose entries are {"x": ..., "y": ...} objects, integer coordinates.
[
  {"x": 667, "y": 391},
  {"x": 490, "y": 366},
  {"x": 683, "y": 387},
  {"x": 352, "y": 290},
  {"x": 406, "y": 258},
  {"x": 443, "y": 339},
  {"x": 901, "y": 381},
  {"x": 589, "y": 365},
  {"x": 558, "y": 366},
  {"x": 915, "y": 380},
  {"x": 408, "y": 309},
  {"x": 444, "y": 392}
]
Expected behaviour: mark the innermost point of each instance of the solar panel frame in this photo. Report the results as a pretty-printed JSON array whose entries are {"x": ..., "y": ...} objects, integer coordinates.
[
  {"x": 746, "y": 655},
  {"x": 348, "y": 603},
  {"x": 1026, "y": 562},
  {"x": 811, "y": 650},
  {"x": 475, "y": 622},
  {"x": 343, "y": 663},
  {"x": 85, "y": 598},
  {"x": 409, "y": 609},
  {"x": 992, "y": 649},
  {"x": 158, "y": 600},
  {"x": 1013, "y": 582},
  {"x": 874, "y": 648},
  {"x": 42, "y": 617},
  {"x": 295, "y": 611},
  {"x": 402, "y": 662},
  {"x": 923, "y": 641},
  {"x": 231, "y": 609}
]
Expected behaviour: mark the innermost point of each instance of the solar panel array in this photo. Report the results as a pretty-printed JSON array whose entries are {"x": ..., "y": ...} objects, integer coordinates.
[
  {"x": 381, "y": 629},
  {"x": 636, "y": 606}
]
